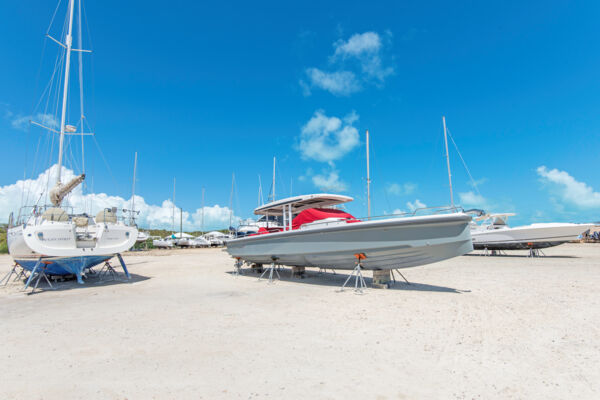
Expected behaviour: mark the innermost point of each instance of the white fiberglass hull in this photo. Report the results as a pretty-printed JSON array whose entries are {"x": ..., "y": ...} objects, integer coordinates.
[
  {"x": 387, "y": 244},
  {"x": 535, "y": 236},
  {"x": 63, "y": 249}
]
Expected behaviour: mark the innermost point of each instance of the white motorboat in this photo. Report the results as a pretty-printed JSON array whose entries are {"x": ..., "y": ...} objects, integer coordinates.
[
  {"x": 163, "y": 243},
  {"x": 493, "y": 233},
  {"x": 251, "y": 226},
  {"x": 51, "y": 238},
  {"x": 182, "y": 239},
  {"x": 199, "y": 242},
  {"x": 142, "y": 236},
  {"x": 216, "y": 238},
  {"x": 315, "y": 236}
]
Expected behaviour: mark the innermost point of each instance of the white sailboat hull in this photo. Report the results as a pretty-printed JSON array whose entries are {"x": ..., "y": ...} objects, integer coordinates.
[
  {"x": 536, "y": 236},
  {"x": 387, "y": 244},
  {"x": 63, "y": 249}
]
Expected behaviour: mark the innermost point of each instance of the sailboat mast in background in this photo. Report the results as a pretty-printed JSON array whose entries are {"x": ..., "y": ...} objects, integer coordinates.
[
  {"x": 231, "y": 200},
  {"x": 131, "y": 218},
  {"x": 368, "y": 180},
  {"x": 448, "y": 162},
  {"x": 273, "y": 199}
]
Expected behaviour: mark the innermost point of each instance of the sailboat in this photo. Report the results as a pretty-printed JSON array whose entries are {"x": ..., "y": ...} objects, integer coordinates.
[
  {"x": 51, "y": 238},
  {"x": 491, "y": 231}
]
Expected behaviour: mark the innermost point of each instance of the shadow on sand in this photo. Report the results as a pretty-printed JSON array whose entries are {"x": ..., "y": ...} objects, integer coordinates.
[
  {"x": 90, "y": 281},
  {"x": 337, "y": 279},
  {"x": 512, "y": 255}
]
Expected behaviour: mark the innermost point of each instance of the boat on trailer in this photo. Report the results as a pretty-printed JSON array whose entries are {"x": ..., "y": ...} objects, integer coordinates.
[
  {"x": 316, "y": 235},
  {"x": 51, "y": 239}
]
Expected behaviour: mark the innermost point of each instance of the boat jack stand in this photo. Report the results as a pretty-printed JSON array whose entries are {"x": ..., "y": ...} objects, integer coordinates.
[
  {"x": 359, "y": 281},
  {"x": 536, "y": 253},
  {"x": 12, "y": 271},
  {"x": 403, "y": 277},
  {"x": 37, "y": 275},
  {"x": 270, "y": 269},
  {"x": 238, "y": 267}
]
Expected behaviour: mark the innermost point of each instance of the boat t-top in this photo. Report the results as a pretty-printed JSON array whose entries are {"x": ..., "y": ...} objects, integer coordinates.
[{"x": 314, "y": 234}]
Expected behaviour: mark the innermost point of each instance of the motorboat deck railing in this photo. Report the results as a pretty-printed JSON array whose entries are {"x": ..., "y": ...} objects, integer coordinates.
[{"x": 421, "y": 211}]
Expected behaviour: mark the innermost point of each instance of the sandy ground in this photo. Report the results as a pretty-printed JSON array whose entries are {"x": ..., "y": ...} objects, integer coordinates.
[{"x": 470, "y": 327}]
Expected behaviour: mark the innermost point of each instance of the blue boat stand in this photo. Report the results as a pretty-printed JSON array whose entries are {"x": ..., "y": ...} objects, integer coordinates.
[{"x": 39, "y": 275}]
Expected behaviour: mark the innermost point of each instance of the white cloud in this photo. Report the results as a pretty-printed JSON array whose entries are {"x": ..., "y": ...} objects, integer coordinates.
[
  {"x": 23, "y": 122},
  {"x": 472, "y": 199},
  {"x": 330, "y": 182},
  {"x": 33, "y": 191},
  {"x": 569, "y": 189},
  {"x": 339, "y": 83},
  {"x": 327, "y": 139},
  {"x": 358, "y": 44},
  {"x": 401, "y": 189},
  {"x": 362, "y": 51},
  {"x": 412, "y": 206}
]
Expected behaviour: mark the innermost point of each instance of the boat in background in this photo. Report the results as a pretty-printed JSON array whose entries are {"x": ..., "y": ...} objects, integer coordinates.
[
  {"x": 216, "y": 238},
  {"x": 162, "y": 243},
  {"x": 493, "y": 233},
  {"x": 142, "y": 236},
  {"x": 315, "y": 235},
  {"x": 52, "y": 239},
  {"x": 199, "y": 242}
]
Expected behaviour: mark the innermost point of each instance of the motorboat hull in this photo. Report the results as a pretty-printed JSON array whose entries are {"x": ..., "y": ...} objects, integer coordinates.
[
  {"x": 535, "y": 236},
  {"x": 387, "y": 244}
]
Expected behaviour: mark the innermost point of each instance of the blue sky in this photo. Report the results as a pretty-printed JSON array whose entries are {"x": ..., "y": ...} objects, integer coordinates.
[{"x": 202, "y": 91}]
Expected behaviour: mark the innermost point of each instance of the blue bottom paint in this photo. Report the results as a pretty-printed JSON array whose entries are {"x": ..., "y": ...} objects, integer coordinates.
[{"x": 64, "y": 265}]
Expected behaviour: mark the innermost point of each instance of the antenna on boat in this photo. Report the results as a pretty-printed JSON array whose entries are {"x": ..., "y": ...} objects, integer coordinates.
[
  {"x": 368, "y": 180},
  {"x": 131, "y": 219},
  {"x": 448, "y": 162},
  {"x": 273, "y": 199}
]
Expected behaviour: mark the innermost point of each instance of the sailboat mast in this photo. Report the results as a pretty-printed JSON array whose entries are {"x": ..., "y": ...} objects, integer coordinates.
[
  {"x": 80, "y": 56},
  {"x": 131, "y": 220},
  {"x": 448, "y": 162},
  {"x": 202, "y": 221},
  {"x": 68, "y": 44},
  {"x": 273, "y": 179},
  {"x": 173, "y": 219},
  {"x": 368, "y": 180},
  {"x": 260, "y": 195},
  {"x": 231, "y": 199}
]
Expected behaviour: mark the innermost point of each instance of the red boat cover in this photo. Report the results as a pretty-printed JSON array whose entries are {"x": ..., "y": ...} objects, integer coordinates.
[{"x": 315, "y": 214}]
